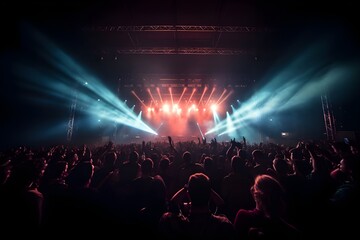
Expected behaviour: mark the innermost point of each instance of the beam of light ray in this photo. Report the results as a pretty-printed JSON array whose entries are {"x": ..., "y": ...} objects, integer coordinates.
[
  {"x": 161, "y": 124},
  {"x": 216, "y": 118},
  {"x": 216, "y": 122},
  {"x": 203, "y": 93},
  {"x": 139, "y": 116},
  {"x": 202, "y": 135},
  {"x": 225, "y": 98},
  {"x": 323, "y": 80},
  {"x": 159, "y": 93},
  {"x": 120, "y": 117},
  {"x": 171, "y": 96},
  {"x": 244, "y": 113},
  {"x": 67, "y": 77},
  {"x": 36, "y": 82},
  {"x": 212, "y": 92},
  {"x": 51, "y": 131},
  {"x": 281, "y": 93},
  {"x": 230, "y": 126},
  {"x": 182, "y": 94},
  {"x": 222, "y": 94},
  {"x": 298, "y": 80},
  {"x": 251, "y": 115},
  {"x": 246, "y": 130},
  {"x": 192, "y": 93},
  {"x": 151, "y": 96},
  {"x": 138, "y": 98},
  {"x": 74, "y": 71}
]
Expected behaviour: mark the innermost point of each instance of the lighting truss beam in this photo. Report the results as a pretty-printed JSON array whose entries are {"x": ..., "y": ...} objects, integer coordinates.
[
  {"x": 183, "y": 51},
  {"x": 328, "y": 118},
  {"x": 71, "y": 118},
  {"x": 177, "y": 28}
]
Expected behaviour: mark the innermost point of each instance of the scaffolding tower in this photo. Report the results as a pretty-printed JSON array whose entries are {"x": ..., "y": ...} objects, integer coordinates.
[
  {"x": 70, "y": 126},
  {"x": 329, "y": 119}
]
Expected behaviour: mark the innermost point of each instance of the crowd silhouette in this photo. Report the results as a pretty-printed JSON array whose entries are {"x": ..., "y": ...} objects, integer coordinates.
[{"x": 188, "y": 190}]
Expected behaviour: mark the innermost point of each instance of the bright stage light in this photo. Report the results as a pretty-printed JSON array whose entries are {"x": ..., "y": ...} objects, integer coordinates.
[
  {"x": 214, "y": 107},
  {"x": 166, "y": 108}
]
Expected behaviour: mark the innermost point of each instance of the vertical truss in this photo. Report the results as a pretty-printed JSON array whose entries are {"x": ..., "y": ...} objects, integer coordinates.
[
  {"x": 328, "y": 118},
  {"x": 71, "y": 118}
]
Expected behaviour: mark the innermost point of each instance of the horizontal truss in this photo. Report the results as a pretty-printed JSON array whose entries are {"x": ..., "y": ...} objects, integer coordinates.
[
  {"x": 188, "y": 51},
  {"x": 176, "y": 28}
]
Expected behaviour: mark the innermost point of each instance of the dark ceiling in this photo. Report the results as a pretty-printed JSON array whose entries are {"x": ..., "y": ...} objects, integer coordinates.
[{"x": 216, "y": 37}]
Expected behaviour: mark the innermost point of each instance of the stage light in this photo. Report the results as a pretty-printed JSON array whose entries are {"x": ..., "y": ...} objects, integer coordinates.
[
  {"x": 166, "y": 108},
  {"x": 213, "y": 107},
  {"x": 175, "y": 108}
]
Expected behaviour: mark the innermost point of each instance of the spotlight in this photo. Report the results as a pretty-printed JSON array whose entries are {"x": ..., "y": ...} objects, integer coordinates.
[{"x": 213, "y": 107}]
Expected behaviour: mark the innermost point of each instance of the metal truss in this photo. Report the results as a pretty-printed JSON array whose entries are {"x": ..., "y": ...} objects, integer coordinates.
[
  {"x": 328, "y": 118},
  {"x": 188, "y": 51},
  {"x": 70, "y": 127},
  {"x": 176, "y": 28}
]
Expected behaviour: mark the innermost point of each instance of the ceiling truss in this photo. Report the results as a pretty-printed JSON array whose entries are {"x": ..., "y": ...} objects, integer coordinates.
[
  {"x": 183, "y": 51},
  {"x": 175, "y": 50},
  {"x": 176, "y": 28}
]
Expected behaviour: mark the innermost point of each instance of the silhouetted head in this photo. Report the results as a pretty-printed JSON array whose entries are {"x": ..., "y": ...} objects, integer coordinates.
[
  {"x": 258, "y": 156},
  {"x": 269, "y": 195},
  {"x": 134, "y": 156},
  {"x": 147, "y": 166},
  {"x": 164, "y": 163},
  {"x": 208, "y": 163},
  {"x": 238, "y": 164},
  {"x": 187, "y": 157},
  {"x": 199, "y": 189},
  {"x": 281, "y": 166},
  {"x": 81, "y": 175}
]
